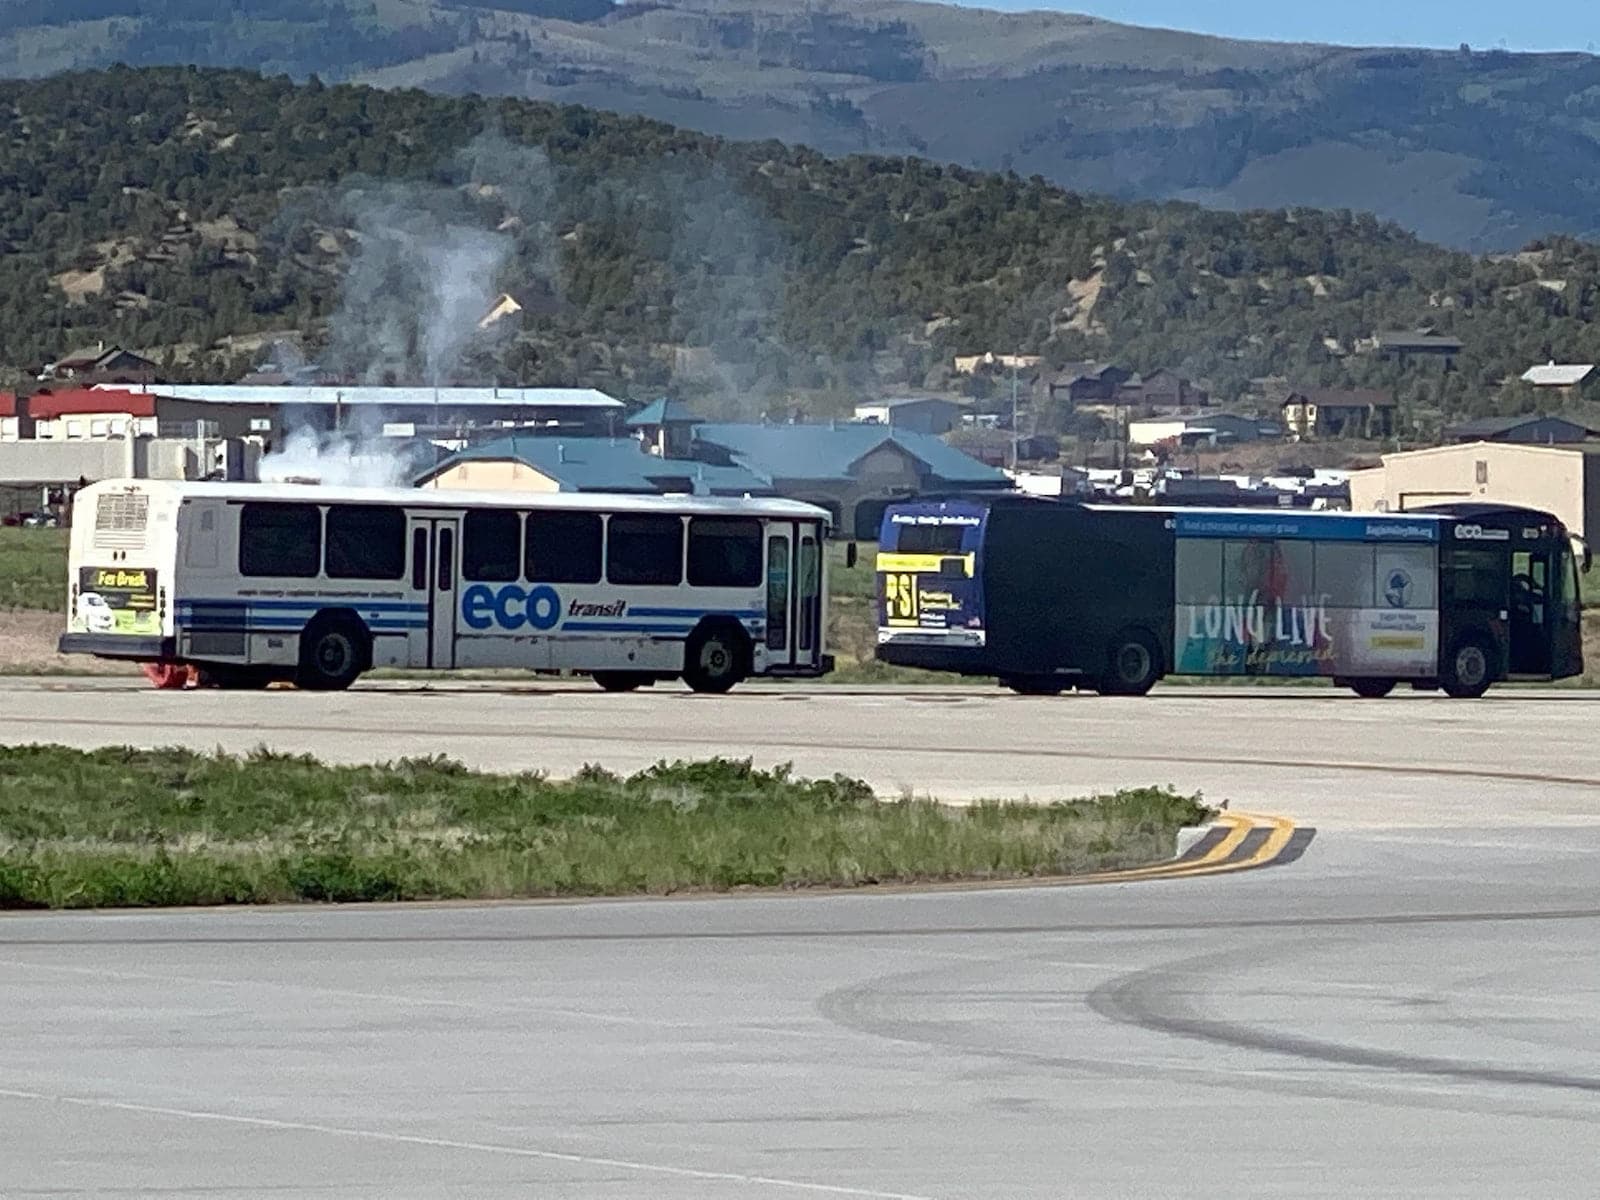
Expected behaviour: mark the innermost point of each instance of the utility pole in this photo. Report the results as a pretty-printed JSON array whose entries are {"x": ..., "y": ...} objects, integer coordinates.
[{"x": 1013, "y": 412}]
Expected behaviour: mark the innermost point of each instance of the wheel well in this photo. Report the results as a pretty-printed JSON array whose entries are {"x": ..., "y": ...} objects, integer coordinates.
[{"x": 347, "y": 617}]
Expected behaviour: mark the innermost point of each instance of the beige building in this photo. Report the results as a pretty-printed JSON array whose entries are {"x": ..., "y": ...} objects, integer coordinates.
[{"x": 1558, "y": 480}]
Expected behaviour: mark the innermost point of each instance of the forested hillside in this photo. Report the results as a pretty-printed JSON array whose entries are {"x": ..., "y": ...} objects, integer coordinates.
[
  {"x": 1477, "y": 149},
  {"x": 195, "y": 213}
]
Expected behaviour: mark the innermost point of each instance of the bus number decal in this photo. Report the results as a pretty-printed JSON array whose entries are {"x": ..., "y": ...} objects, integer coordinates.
[
  {"x": 511, "y": 606},
  {"x": 900, "y": 596}
]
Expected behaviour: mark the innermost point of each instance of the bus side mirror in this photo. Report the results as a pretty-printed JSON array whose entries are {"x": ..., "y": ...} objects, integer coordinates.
[{"x": 850, "y": 556}]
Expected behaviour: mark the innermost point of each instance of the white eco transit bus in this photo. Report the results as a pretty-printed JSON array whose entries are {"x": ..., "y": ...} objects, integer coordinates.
[{"x": 252, "y": 583}]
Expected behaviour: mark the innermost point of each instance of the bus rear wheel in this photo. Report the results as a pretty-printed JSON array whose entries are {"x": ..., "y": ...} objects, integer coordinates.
[
  {"x": 1133, "y": 664},
  {"x": 235, "y": 679},
  {"x": 333, "y": 653},
  {"x": 1466, "y": 669},
  {"x": 1034, "y": 685},
  {"x": 715, "y": 658},
  {"x": 621, "y": 681},
  {"x": 1372, "y": 689}
]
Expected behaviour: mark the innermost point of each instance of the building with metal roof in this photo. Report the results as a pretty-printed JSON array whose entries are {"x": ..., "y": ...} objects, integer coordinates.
[
  {"x": 587, "y": 464},
  {"x": 1558, "y": 375},
  {"x": 1529, "y": 430},
  {"x": 852, "y": 470}
]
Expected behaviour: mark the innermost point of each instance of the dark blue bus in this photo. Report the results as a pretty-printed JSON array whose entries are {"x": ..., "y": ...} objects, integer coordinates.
[{"x": 1047, "y": 595}]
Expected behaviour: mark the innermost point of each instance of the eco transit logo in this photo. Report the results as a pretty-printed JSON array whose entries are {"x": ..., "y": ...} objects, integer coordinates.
[{"x": 511, "y": 606}]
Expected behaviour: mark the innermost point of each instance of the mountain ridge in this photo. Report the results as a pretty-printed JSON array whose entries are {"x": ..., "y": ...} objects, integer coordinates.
[{"x": 1476, "y": 150}]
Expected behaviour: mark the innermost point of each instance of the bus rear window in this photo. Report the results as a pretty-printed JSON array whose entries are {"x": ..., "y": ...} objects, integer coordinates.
[{"x": 929, "y": 539}]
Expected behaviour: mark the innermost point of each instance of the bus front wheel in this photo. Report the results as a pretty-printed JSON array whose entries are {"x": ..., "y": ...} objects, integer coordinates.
[
  {"x": 716, "y": 657},
  {"x": 1133, "y": 664},
  {"x": 1466, "y": 669},
  {"x": 333, "y": 653}
]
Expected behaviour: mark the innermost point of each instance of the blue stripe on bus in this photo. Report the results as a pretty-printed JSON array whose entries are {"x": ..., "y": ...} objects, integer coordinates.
[
  {"x": 695, "y": 612},
  {"x": 324, "y": 602},
  {"x": 285, "y": 623},
  {"x": 624, "y": 627}
]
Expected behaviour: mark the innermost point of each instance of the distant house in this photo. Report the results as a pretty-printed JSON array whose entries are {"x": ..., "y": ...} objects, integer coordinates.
[
  {"x": 1525, "y": 430},
  {"x": 1163, "y": 391},
  {"x": 915, "y": 414},
  {"x": 1402, "y": 345},
  {"x": 1568, "y": 378},
  {"x": 1081, "y": 383},
  {"x": 971, "y": 364},
  {"x": 531, "y": 463},
  {"x": 853, "y": 470},
  {"x": 1336, "y": 413},
  {"x": 101, "y": 364},
  {"x": 1189, "y": 429}
]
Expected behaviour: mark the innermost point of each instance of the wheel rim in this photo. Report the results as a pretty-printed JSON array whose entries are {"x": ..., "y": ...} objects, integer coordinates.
[
  {"x": 334, "y": 654},
  {"x": 715, "y": 659},
  {"x": 1133, "y": 663},
  {"x": 1472, "y": 666}
]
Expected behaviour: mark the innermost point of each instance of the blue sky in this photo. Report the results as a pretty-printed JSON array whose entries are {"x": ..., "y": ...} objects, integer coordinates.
[{"x": 1483, "y": 24}]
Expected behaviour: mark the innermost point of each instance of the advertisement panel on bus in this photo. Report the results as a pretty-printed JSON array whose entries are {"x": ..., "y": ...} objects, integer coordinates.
[
  {"x": 1289, "y": 595},
  {"x": 929, "y": 573}
]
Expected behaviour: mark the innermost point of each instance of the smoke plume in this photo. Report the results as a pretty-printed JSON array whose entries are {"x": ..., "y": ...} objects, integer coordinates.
[
  {"x": 428, "y": 261},
  {"x": 338, "y": 460}
]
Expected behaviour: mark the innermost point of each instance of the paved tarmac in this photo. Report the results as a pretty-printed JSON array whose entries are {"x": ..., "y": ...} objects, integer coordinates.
[
  {"x": 1412, "y": 1008},
  {"x": 1322, "y": 757}
]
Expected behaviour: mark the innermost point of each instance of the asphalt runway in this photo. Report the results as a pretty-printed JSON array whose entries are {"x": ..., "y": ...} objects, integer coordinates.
[
  {"x": 1323, "y": 757},
  {"x": 1411, "y": 1008}
]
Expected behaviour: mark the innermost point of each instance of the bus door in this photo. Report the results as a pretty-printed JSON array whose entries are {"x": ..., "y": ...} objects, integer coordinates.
[
  {"x": 435, "y": 545},
  {"x": 794, "y": 595},
  {"x": 1532, "y": 616},
  {"x": 1474, "y": 600}
]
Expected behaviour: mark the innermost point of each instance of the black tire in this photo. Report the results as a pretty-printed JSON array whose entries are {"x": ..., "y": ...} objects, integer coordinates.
[
  {"x": 716, "y": 657},
  {"x": 1372, "y": 689},
  {"x": 235, "y": 679},
  {"x": 1467, "y": 670},
  {"x": 1034, "y": 685},
  {"x": 334, "y": 650},
  {"x": 621, "y": 681},
  {"x": 1133, "y": 664}
]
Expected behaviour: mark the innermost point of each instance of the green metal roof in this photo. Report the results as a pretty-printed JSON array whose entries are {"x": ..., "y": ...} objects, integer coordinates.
[{"x": 663, "y": 412}]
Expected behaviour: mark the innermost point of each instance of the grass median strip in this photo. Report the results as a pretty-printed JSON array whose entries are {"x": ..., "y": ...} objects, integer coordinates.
[{"x": 125, "y": 827}]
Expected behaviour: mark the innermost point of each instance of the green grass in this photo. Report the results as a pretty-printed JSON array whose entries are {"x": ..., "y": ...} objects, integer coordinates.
[
  {"x": 125, "y": 827},
  {"x": 33, "y": 568}
]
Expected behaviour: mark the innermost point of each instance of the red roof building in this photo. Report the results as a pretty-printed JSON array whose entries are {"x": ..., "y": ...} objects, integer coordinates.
[{"x": 47, "y": 405}]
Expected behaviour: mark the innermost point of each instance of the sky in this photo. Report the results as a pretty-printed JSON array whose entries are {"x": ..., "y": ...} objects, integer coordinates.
[{"x": 1482, "y": 24}]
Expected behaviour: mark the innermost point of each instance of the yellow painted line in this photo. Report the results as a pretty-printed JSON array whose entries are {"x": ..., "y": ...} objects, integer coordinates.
[{"x": 1214, "y": 861}]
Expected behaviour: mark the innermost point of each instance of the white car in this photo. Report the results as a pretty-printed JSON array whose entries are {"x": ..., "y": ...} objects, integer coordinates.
[{"x": 95, "y": 613}]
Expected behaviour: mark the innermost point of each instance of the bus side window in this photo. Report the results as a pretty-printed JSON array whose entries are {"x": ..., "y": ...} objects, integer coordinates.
[
  {"x": 724, "y": 552},
  {"x": 280, "y": 540},
  {"x": 366, "y": 541},
  {"x": 644, "y": 549},
  {"x": 564, "y": 547},
  {"x": 491, "y": 545},
  {"x": 419, "y": 560}
]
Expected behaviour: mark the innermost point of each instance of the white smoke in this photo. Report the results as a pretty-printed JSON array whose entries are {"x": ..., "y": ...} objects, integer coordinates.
[
  {"x": 428, "y": 261},
  {"x": 336, "y": 460}
]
